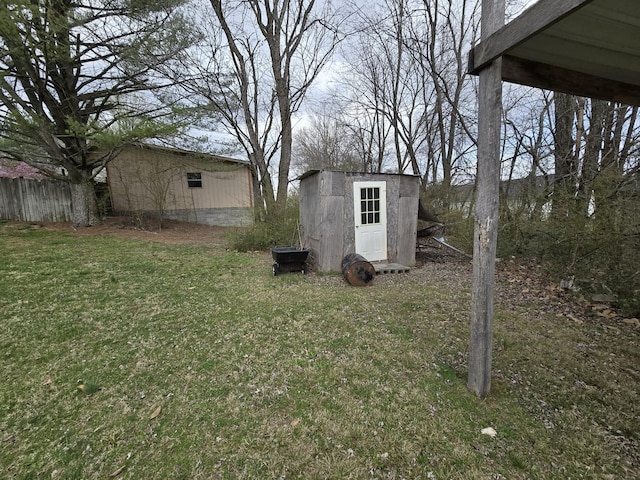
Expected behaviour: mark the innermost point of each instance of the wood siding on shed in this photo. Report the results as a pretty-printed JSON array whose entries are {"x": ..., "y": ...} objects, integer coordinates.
[{"x": 327, "y": 216}]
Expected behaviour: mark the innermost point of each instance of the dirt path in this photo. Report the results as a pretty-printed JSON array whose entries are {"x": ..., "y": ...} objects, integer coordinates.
[{"x": 172, "y": 232}]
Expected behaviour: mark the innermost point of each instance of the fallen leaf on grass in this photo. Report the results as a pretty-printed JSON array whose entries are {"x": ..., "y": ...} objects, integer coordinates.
[
  {"x": 156, "y": 412},
  {"x": 576, "y": 320},
  {"x": 117, "y": 472},
  {"x": 295, "y": 422},
  {"x": 489, "y": 431},
  {"x": 633, "y": 373},
  {"x": 88, "y": 388}
]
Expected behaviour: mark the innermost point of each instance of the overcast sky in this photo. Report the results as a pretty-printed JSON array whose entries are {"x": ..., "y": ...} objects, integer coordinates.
[{"x": 336, "y": 70}]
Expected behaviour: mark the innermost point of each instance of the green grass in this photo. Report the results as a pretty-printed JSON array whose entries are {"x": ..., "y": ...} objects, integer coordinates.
[{"x": 292, "y": 376}]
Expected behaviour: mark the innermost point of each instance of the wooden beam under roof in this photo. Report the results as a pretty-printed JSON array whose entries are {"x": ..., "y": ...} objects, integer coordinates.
[
  {"x": 535, "y": 19},
  {"x": 583, "y": 47},
  {"x": 540, "y": 75}
]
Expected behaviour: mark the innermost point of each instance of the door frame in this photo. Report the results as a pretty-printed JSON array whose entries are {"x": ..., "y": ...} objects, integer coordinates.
[{"x": 379, "y": 214}]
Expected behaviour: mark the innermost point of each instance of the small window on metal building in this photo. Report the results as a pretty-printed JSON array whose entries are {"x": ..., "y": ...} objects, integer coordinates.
[{"x": 194, "y": 180}]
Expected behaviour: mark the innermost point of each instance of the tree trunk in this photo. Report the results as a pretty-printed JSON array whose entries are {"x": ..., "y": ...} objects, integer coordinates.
[
  {"x": 84, "y": 205},
  {"x": 565, "y": 159},
  {"x": 285, "y": 155},
  {"x": 592, "y": 156}
]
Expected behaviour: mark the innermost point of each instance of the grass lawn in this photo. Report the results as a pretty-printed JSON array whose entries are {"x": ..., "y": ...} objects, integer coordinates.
[{"x": 126, "y": 358}]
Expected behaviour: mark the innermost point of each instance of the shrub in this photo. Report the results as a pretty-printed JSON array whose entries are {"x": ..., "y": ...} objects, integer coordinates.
[
  {"x": 600, "y": 252},
  {"x": 459, "y": 229},
  {"x": 281, "y": 228}
]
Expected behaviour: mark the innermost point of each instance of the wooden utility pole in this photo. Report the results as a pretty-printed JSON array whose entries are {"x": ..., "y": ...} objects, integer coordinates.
[{"x": 486, "y": 211}]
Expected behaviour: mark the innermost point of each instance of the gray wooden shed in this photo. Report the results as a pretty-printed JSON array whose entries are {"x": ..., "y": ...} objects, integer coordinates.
[{"x": 374, "y": 215}]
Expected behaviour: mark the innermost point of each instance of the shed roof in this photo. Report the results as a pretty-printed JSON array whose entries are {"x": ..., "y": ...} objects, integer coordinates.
[
  {"x": 583, "y": 47},
  {"x": 312, "y": 172}
]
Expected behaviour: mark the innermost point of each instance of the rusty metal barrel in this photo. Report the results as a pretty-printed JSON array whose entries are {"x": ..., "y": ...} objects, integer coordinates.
[{"x": 357, "y": 270}]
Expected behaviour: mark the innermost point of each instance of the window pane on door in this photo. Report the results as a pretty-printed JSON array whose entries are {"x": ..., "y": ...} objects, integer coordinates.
[{"x": 370, "y": 205}]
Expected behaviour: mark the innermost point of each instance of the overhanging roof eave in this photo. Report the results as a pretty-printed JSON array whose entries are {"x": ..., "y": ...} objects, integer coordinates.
[
  {"x": 533, "y": 74},
  {"x": 581, "y": 47},
  {"x": 532, "y": 21}
]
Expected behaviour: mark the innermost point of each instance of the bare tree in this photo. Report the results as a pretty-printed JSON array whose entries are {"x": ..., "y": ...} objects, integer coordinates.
[
  {"x": 438, "y": 47},
  {"x": 362, "y": 103},
  {"x": 528, "y": 150},
  {"x": 326, "y": 143},
  {"x": 594, "y": 144},
  {"x": 78, "y": 78},
  {"x": 387, "y": 80},
  {"x": 369, "y": 138},
  {"x": 566, "y": 152},
  {"x": 265, "y": 56},
  {"x": 410, "y": 66}
]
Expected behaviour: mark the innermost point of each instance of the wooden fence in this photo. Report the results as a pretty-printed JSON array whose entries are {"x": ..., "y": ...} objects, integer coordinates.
[{"x": 34, "y": 200}]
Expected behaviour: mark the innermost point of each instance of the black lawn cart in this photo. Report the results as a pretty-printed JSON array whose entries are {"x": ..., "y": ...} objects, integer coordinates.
[{"x": 289, "y": 259}]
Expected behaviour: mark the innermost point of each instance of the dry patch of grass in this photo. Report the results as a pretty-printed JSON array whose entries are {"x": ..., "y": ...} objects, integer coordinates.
[{"x": 195, "y": 362}]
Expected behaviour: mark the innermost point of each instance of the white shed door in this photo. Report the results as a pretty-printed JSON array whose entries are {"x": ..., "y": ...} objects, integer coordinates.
[{"x": 370, "y": 214}]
